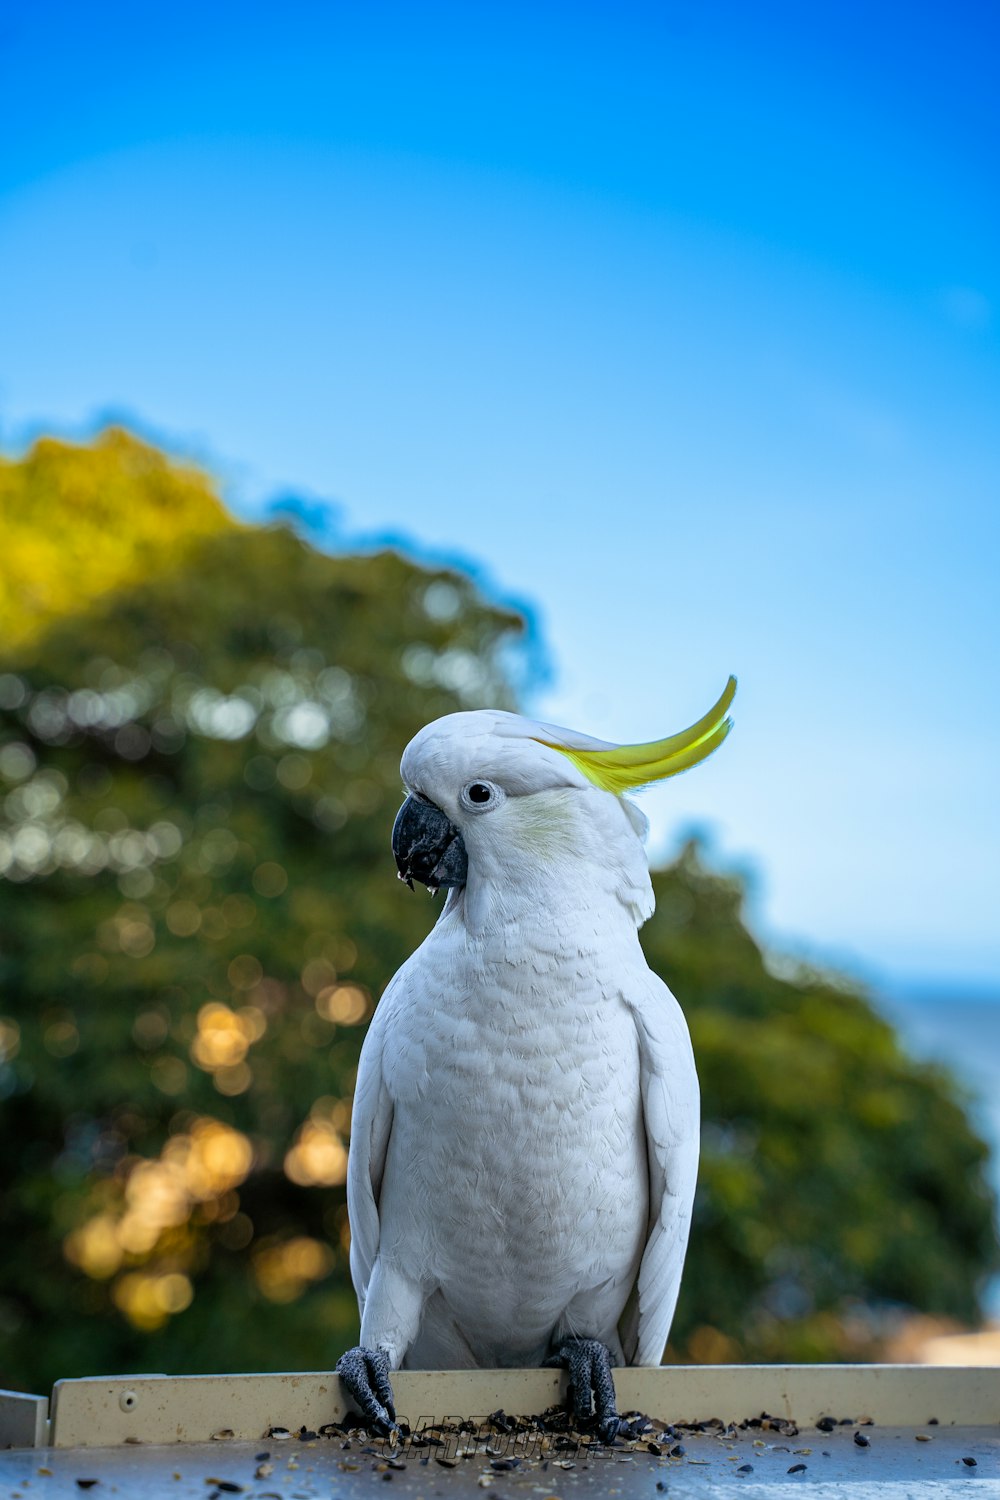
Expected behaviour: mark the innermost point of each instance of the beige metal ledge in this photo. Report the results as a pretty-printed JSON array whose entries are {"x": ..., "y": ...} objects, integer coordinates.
[
  {"x": 23, "y": 1420},
  {"x": 156, "y": 1409}
]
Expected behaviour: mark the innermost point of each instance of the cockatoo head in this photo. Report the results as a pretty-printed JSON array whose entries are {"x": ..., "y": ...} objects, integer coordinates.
[{"x": 503, "y": 804}]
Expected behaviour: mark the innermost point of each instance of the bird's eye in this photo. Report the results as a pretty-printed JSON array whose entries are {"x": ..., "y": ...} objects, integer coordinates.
[{"x": 481, "y": 796}]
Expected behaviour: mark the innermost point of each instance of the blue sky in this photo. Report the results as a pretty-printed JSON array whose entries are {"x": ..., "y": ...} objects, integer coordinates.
[{"x": 679, "y": 323}]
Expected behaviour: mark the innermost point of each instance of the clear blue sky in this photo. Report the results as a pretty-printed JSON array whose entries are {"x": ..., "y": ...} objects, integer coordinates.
[{"x": 680, "y": 322}]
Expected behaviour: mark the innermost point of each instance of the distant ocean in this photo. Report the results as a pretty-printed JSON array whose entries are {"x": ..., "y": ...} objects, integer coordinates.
[{"x": 964, "y": 1034}]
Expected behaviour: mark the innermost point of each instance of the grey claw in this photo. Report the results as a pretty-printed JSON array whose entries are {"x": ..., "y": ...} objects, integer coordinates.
[
  {"x": 590, "y": 1380},
  {"x": 365, "y": 1374}
]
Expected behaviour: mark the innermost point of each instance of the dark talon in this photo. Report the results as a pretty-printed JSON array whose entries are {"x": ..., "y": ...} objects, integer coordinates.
[
  {"x": 365, "y": 1375},
  {"x": 589, "y": 1364}
]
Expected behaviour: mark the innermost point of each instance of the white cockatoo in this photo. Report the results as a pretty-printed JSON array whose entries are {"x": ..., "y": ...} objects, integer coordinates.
[{"x": 524, "y": 1145}]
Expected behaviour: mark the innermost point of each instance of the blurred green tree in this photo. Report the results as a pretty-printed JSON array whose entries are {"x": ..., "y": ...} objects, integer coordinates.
[
  {"x": 841, "y": 1184},
  {"x": 197, "y": 911},
  {"x": 80, "y": 520}
]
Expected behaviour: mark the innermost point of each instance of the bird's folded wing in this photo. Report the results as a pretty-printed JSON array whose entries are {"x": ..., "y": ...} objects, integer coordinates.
[
  {"x": 670, "y": 1109},
  {"x": 371, "y": 1126}
]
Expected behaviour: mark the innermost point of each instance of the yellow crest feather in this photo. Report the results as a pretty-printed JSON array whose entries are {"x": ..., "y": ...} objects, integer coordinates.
[{"x": 625, "y": 767}]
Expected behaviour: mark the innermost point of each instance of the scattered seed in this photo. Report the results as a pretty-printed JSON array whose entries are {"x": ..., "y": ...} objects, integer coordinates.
[
  {"x": 923, "y": 1437},
  {"x": 263, "y": 1471},
  {"x": 223, "y": 1435},
  {"x": 806, "y": 1451},
  {"x": 44, "y": 1471},
  {"x": 797, "y": 1469},
  {"x": 862, "y": 1441}
]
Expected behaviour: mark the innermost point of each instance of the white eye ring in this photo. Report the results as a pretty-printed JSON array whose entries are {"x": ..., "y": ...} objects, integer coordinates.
[{"x": 481, "y": 796}]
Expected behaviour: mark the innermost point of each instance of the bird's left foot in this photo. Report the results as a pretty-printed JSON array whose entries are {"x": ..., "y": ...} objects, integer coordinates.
[
  {"x": 591, "y": 1384},
  {"x": 364, "y": 1373}
]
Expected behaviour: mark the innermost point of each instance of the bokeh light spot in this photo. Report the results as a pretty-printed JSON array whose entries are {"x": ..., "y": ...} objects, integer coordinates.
[
  {"x": 270, "y": 879},
  {"x": 169, "y": 1075},
  {"x": 245, "y": 971},
  {"x": 61, "y": 1038},
  {"x": 10, "y": 1039},
  {"x": 238, "y": 911},
  {"x": 344, "y": 1004},
  {"x": 319, "y": 1157},
  {"x": 284, "y": 1270},
  {"x": 318, "y": 974},
  {"x": 294, "y": 772},
  {"x": 183, "y": 918}
]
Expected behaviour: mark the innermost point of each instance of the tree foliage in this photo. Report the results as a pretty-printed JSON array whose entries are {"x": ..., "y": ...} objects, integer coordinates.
[
  {"x": 78, "y": 521},
  {"x": 841, "y": 1184},
  {"x": 198, "y": 911}
]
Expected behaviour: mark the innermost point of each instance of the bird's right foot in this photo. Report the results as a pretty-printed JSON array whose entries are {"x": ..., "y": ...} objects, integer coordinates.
[
  {"x": 364, "y": 1373},
  {"x": 591, "y": 1385}
]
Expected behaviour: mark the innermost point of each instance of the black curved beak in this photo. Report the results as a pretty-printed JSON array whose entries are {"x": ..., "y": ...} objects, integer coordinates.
[{"x": 428, "y": 847}]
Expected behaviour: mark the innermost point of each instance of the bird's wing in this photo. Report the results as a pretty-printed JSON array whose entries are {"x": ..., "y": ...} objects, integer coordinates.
[
  {"x": 371, "y": 1126},
  {"x": 670, "y": 1112}
]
